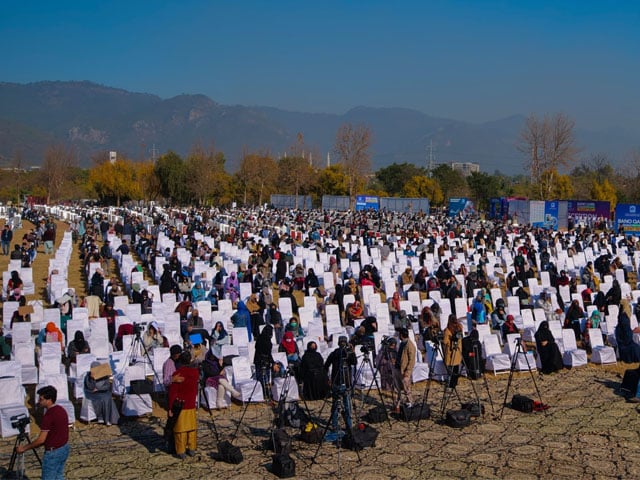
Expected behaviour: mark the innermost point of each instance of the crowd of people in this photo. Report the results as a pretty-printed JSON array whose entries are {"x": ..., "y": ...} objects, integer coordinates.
[{"x": 438, "y": 257}]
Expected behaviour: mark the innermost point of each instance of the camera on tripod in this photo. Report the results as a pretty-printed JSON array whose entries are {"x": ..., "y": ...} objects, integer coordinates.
[
  {"x": 138, "y": 328},
  {"x": 19, "y": 422}
]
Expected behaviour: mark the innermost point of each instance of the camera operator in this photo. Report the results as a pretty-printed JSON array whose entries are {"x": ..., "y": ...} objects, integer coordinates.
[
  {"x": 403, "y": 368},
  {"x": 54, "y": 434},
  {"x": 385, "y": 361},
  {"x": 452, "y": 349},
  {"x": 341, "y": 360}
]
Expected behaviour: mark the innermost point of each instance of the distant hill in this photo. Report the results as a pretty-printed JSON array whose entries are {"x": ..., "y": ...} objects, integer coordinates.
[{"x": 96, "y": 118}]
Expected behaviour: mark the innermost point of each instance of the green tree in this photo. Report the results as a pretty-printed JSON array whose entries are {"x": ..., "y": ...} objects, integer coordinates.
[
  {"x": 483, "y": 187},
  {"x": 207, "y": 178},
  {"x": 393, "y": 177},
  {"x": 452, "y": 183},
  {"x": 172, "y": 176}
]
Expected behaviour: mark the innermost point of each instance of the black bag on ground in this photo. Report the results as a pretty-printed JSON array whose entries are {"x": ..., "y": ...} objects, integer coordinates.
[
  {"x": 376, "y": 415},
  {"x": 359, "y": 438},
  {"x": 141, "y": 387},
  {"x": 458, "y": 418},
  {"x": 281, "y": 442},
  {"x": 283, "y": 466},
  {"x": 630, "y": 380},
  {"x": 522, "y": 403},
  {"x": 229, "y": 453},
  {"x": 310, "y": 433},
  {"x": 475, "y": 409},
  {"x": 414, "y": 412}
]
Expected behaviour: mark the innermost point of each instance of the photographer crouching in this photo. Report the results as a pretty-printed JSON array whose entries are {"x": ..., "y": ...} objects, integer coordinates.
[
  {"x": 342, "y": 361},
  {"x": 54, "y": 435},
  {"x": 452, "y": 349}
]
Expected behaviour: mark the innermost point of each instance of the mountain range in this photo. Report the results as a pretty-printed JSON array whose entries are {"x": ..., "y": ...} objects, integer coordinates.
[{"x": 95, "y": 118}]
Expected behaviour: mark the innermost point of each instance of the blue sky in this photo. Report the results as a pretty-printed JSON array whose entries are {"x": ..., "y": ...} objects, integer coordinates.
[{"x": 467, "y": 60}]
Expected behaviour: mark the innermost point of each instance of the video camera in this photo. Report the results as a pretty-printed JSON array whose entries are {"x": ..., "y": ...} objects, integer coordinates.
[
  {"x": 138, "y": 328},
  {"x": 20, "y": 422}
]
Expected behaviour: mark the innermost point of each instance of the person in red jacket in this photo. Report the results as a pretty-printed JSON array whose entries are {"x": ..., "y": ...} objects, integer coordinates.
[{"x": 184, "y": 389}]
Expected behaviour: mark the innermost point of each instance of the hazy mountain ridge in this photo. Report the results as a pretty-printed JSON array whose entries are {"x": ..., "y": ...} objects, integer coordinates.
[{"x": 96, "y": 118}]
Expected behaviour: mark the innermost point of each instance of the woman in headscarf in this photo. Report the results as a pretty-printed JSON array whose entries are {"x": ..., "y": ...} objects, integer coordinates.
[
  {"x": 15, "y": 282},
  {"x": 262, "y": 358},
  {"x": 548, "y": 351},
  {"x": 354, "y": 312},
  {"x": 255, "y": 312},
  {"x": 394, "y": 307},
  {"x": 51, "y": 333},
  {"x": 628, "y": 349},
  {"x": 242, "y": 318},
  {"x": 214, "y": 376},
  {"x": 232, "y": 287},
  {"x": 311, "y": 281},
  {"x": 592, "y": 322},
  {"x": 314, "y": 378},
  {"x": 574, "y": 317},
  {"x": 76, "y": 346},
  {"x": 153, "y": 338},
  {"x": 219, "y": 337},
  {"x": 290, "y": 347},
  {"x": 98, "y": 392}
]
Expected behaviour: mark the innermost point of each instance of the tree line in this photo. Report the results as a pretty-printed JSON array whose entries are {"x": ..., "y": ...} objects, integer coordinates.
[{"x": 201, "y": 177}]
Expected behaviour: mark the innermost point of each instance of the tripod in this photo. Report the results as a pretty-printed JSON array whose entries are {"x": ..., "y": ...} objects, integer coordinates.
[
  {"x": 366, "y": 362},
  {"x": 130, "y": 359},
  {"x": 437, "y": 350},
  {"x": 18, "y": 458},
  {"x": 514, "y": 362},
  {"x": 341, "y": 401}
]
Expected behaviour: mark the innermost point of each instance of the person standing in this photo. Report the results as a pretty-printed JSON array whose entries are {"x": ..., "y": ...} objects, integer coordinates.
[
  {"x": 184, "y": 389},
  {"x": 54, "y": 435},
  {"x": 403, "y": 368},
  {"x": 452, "y": 349},
  {"x": 5, "y": 238},
  {"x": 341, "y": 361}
]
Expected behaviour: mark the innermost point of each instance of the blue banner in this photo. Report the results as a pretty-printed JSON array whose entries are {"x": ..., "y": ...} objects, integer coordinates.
[
  {"x": 628, "y": 218},
  {"x": 367, "y": 202},
  {"x": 460, "y": 206},
  {"x": 544, "y": 214}
]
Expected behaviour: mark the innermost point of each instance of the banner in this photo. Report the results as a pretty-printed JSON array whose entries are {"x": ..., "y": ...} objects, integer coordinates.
[
  {"x": 628, "y": 218},
  {"x": 588, "y": 209},
  {"x": 460, "y": 206},
  {"x": 367, "y": 202},
  {"x": 544, "y": 214}
]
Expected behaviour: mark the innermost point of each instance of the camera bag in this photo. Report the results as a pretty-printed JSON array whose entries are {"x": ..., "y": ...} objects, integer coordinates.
[
  {"x": 458, "y": 418},
  {"x": 376, "y": 415},
  {"x": 415, "y": 412},
  {"x": 630, "y": 381},
  {"x": 283, "y": 466},
  {"x": 229, "y": 453},
  {"x": 522, "y": 403},
  {"x": 360, "y": 437}
]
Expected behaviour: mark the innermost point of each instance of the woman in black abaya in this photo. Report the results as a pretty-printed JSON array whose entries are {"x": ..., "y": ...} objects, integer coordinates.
[
  {"x": 548, "y": 350},
  {"x": 314, "y": 377}
]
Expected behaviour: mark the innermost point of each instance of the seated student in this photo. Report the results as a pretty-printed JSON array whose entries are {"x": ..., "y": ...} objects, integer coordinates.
[
  {"x": 628, "y": 349},
  {"x": 153, "y": 338},
  {"x": 98, "y": 392},
  {"x": 548, "y": 351},
  {"x": 51, "y": 333},
  {"x": 508, "y": 327},
  {"x": 214, "y": 376},
  {"x": 198, "y": 293},
  {"x": 77, "y": 346},
  {"x": 124, "y": 329}
]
